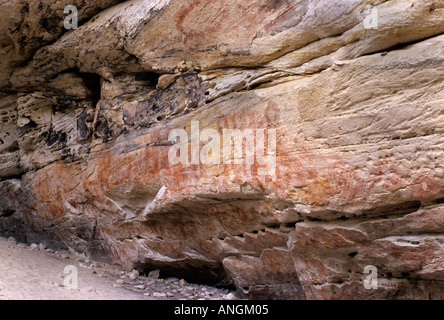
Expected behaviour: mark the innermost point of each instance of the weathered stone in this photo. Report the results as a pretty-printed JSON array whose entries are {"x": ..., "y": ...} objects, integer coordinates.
[
  {"x": 154, "y": 274},
  {"x": 134, "y": 275},
  {"x": 140, "y": 287},
  {"x": 28, "y": 25},
  {"x": 271, "y": 276},
  {"x": 85, "y": 119},
  {"x": 159, "y": 295},
  {"x": 12, "y": 240},
  {"x": 404, "y": 247}
]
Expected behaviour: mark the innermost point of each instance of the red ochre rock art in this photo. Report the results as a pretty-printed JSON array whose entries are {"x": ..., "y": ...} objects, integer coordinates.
[
  {"x": 355, "y": 178},
  {"x": 201, "y": 21}
]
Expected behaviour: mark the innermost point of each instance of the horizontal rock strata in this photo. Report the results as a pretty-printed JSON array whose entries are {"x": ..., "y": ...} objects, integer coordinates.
[{"x": 356, "y": 178}]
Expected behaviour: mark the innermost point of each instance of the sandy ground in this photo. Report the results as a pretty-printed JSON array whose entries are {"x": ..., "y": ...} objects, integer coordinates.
[{"x": 37, "y": 274}]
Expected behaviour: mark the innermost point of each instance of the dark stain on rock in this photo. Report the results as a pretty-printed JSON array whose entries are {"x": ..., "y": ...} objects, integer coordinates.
[
  {"x": 53, "y": 137},
  {"x": 25, "y": 9},
  {"x": 102, "y": 130},
  {"x": 62, "y": 104},
  {"x": 82, "y": 127},
  {"x": 7, "y": 212},
  {"x": 91, "y": 81},
  {"x": 50, "y": 24},
  {"x": 187, "y": 90}
]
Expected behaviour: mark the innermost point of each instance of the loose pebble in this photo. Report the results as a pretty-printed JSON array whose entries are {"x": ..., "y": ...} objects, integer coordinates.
[
  {"x": 159, "y": 295},
  {"x": 154, "y": 274},
  {"x": 134, "y": 275},
  {"x": 230, "y": 296}
]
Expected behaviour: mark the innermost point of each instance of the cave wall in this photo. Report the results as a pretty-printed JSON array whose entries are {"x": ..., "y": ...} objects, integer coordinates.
[{"x": 356, "y": 178}]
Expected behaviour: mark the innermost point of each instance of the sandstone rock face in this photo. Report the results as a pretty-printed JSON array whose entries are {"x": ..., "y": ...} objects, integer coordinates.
[{"x": 350, "y": 93}]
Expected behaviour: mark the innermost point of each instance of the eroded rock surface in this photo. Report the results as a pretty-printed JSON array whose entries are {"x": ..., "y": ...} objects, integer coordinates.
[{"x": 358, "y": 114}]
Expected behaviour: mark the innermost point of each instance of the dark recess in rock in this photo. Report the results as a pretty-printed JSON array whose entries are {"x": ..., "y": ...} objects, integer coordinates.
[
  {"x": 150, "y": 78},
  {"x": 7, "y": 212},
  {"x": 50, "y": 24},
  {"x": 211, "y": 274},
  {"x": 52, "y": 137},
  {"x": 82, "y": 127}
]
